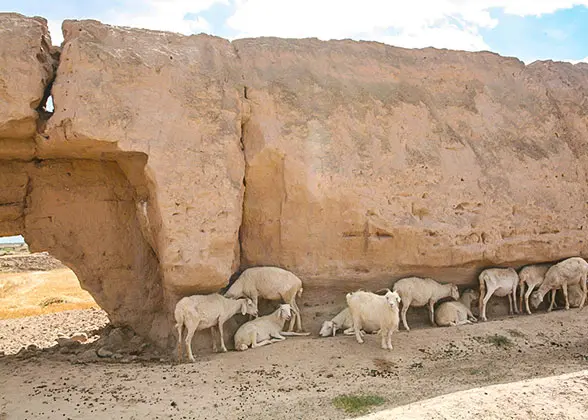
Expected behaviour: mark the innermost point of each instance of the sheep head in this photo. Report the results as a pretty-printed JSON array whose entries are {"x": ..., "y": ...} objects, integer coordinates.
[
  {"x": 285, "y": 311},
  {"x": 248, "y": 307},
  {"x": 536, "y": 299},
  {"x": 454, "y": 292},
  {"x": 393, "y": 298},
  {"x": 328, "y": 329}
]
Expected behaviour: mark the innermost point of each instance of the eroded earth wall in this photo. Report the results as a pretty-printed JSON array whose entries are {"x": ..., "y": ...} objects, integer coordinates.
[{"x": 170, "y": 162}]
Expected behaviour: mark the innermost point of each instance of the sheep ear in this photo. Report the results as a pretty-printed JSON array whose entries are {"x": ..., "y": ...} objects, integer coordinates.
[
  {"x": 334, "y": 331},
  {"x": 244, "y": 308}
]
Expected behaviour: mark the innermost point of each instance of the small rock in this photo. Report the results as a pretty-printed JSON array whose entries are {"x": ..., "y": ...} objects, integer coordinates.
[
  {"x": 80, "y": 337},
  {"x": 2, "y": 354},
  {"x": 67, "y": 342},
  {"x": 87, "y": 356},
  {"x": 116, "y": 338},
  {"x": 117, "y": 356},
  {"x": 32, "y": 347},
  {"x": 103, "y": 352}
]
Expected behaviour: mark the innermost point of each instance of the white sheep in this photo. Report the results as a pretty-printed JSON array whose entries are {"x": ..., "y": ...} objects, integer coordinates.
[
  {"x": 371, "y": 312},
  {"x": 265, "y": 329},
  {"x": 199, "y": 312},
  {"x": 561, "y": 275},
  {"x": 457, "y": 312},
  {"x": 416, "y": 291},
  {"x": 531, "y": 276},
  {"x": 341, "y": 321},
  {"x": 500, "y": 282},
  {"x": 271, "y": 283}
]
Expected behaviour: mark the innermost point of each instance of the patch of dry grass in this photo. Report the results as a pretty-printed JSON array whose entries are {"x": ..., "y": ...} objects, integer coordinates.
[{"x": 41, "y": 292}]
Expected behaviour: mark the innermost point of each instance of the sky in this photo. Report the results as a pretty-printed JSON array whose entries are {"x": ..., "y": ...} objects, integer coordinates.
[{"x": 527, "y": 29}]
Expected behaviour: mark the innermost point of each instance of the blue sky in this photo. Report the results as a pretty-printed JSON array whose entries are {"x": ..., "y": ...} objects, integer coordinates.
[{"x": 528, "y": 29}]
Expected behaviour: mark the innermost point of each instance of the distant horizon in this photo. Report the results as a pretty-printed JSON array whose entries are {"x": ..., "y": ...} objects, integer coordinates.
[{"x": 12, "y": 239}]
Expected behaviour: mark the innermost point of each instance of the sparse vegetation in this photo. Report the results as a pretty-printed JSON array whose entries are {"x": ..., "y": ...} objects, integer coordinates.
[
  {"x": 516, "y": 333},
  {"x": 357, "y": 404},
  {"x": 499, "y": 341}
]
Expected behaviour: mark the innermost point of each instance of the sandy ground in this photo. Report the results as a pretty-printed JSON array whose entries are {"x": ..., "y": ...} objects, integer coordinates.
[
  {"x": 295, "y": 379},
  {"x": 298, "y": 378}
]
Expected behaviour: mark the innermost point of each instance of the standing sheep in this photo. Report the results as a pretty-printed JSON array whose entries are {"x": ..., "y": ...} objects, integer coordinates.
[
  {"x": 500, "y": 282},
  {"x": 561, "y": 275},
  {"x": 532, "y": 276},
  {"x": 458, "y": 312},
  {"x": 372, "y": 312},
  {"x": 264, "y": 330},
  {"x": 416, "y": 291},
  {"x": 271, "y": 283},
  {"x": 199, "y": 312}
]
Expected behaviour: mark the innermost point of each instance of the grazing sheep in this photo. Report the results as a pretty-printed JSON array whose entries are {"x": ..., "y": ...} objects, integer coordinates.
[
  {"x": 500, "y": 282},
  {"x": 416, "y": 291},
  {"x": 562, "y": 275},
  {"x": 372, "y": 312},
  {"x": 271, "y": 283},
  {"x": 458, "y": 312},
  {"x": 264, "y": 330},
  {"x": 532, "y": 276},
  {"x": 199, "y": 312}
]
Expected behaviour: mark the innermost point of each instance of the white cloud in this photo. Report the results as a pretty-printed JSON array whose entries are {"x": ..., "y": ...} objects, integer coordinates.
[
  {"x": 165, "y": 15},
  {"x": 416, "y": 23}
]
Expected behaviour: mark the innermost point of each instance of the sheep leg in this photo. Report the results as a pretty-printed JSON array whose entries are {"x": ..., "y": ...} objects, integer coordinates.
[
  {"x": 213, "y": 335},
  {"x": 527, "y": 295},
  {"x": 262, "y": 343},
  {"x": 514, "y": 298},
  {"x": 293, "y": 333},
  {"x": 357, "y": 328},
  {"x": 405, "y": 306},
  {"x": 432, "y": 312},
  {"x": 471, "y": 317},
  {"x": 521, "y": 292},
  {"x": 583, "y": 287},
  {"x": 349, "y": 331},
  {"x": 564, "y": 288},
  {"x": 510, "y": 311},
  {"x": 192, "y": 327},
  {"x": 489, "y": 293},
  {"x": 385, "y": 339},
  {"x": 552, "y": 300},
  {"x": 222, "y": 338},
  {"x": 277, "y": 337},
  {"x": 179, "y": 328}
]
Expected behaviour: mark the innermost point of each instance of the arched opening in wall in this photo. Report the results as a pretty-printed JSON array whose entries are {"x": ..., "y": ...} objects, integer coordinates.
[
  {"x": 41, "y": 299},
  {"x": 88, "y": 239}
]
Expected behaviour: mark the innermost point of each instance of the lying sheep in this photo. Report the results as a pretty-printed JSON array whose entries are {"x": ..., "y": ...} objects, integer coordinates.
[
  {"x": 500, "y": 282},
  {"x": 342, "y": 321},
  {"x": 458, "y": 312},
  {"x": 271, "y": 283},
  {"x": 562, "y": 275},
  {"x": 532, "y": 276},
  {"x": 574, "y": 296},
  {"x": 372, "y": 312},
  {"x": 199, "y": 312},
  {"x": 264, "y": 330},
  {"x": 416, "y": 291}
]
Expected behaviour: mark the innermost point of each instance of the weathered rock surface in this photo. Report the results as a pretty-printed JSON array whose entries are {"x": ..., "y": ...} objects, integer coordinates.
[
  {"x": 362, "y": 162},
  {"x": 367, "y": 162},
  {"x": 27, "y": 68}
]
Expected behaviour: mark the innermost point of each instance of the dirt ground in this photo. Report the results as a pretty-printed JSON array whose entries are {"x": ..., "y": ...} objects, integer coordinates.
[{"x": 295, "y": 379}]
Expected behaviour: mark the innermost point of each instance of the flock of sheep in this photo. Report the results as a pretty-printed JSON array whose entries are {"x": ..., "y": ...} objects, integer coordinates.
[{"x": 369, "y": 312}]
